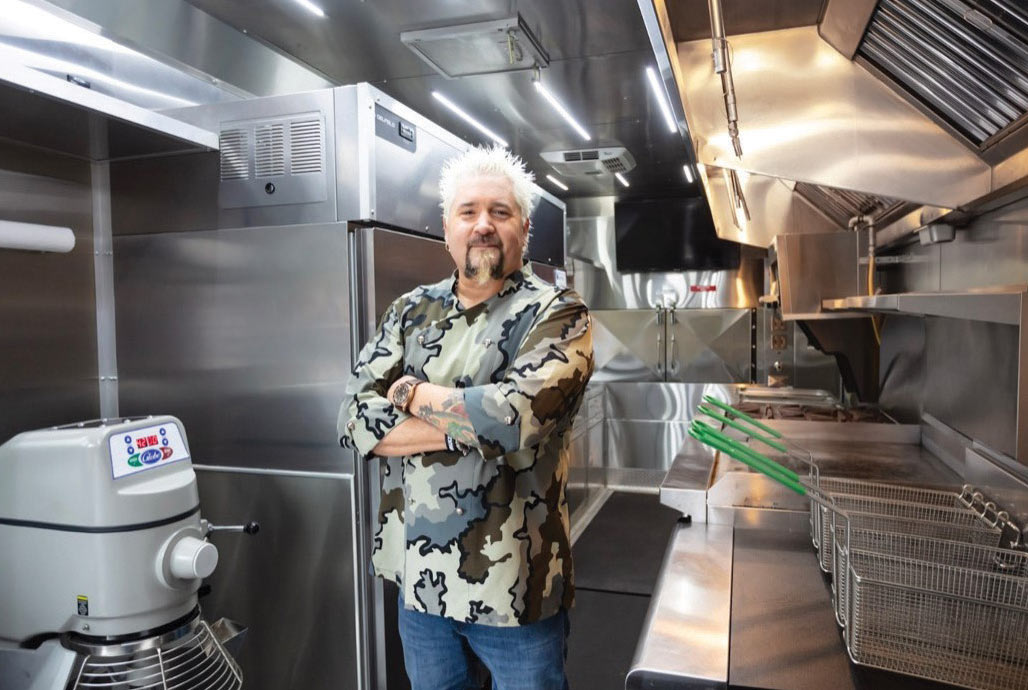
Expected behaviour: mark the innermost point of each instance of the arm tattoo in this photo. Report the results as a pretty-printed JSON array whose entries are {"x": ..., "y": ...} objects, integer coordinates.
[{"x": 451, "y": 418}]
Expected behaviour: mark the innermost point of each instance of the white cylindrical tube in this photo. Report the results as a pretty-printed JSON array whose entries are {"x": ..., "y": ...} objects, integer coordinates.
[{"x": 35, "y": 238}]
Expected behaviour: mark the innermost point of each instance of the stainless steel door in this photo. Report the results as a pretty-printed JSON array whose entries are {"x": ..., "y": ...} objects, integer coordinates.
[{"x": 384, "y": 265}]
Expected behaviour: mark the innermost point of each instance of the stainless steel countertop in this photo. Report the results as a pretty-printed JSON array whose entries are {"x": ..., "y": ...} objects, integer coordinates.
[
  {"x": 741, "y": 607},
  {"x": 686, "y": 634}
]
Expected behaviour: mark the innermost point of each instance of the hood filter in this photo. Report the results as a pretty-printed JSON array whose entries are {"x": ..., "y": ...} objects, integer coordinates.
[{"x": 966, "y": 60}]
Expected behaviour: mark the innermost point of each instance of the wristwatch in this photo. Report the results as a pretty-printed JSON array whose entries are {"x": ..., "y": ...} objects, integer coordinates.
[{"x": 403, "y": 394}]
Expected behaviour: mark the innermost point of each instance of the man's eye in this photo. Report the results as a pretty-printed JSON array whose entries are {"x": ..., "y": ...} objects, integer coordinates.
[{"x": 501, "y": 214}]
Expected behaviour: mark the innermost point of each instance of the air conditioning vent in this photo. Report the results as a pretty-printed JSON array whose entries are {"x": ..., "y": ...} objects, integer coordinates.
[
  {"x": 305, "y": 146},
  {"x": 590, "y": 161},
  {"x": 269, "y": 151},
  {"x": 615, "y": 165},
  {"x": 234, "y": 145}
]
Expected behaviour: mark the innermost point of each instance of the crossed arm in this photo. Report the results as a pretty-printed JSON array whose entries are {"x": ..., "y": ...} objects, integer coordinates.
[{"x": 438, "y": 411}]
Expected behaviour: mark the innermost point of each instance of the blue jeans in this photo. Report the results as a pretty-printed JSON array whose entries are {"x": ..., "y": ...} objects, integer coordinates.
[{"x": 525, "y": 657}]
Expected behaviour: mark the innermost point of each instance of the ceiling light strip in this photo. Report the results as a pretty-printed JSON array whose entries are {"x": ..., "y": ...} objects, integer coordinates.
[
  {"x": 557, "y": 182},
  {"x": 552, "y": 100},
  {"x": 621, "y": 179},
  {"x": 661, "y": 97},
  {"x": 470, "y": 120},
  {"x": 310, "y": 7}
]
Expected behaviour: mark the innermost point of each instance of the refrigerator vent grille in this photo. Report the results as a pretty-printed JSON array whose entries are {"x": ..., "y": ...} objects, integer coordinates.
[
  {"x": 234, "y": 145},
  {"x": 305, "y": 143},
  {"x": 270, "y": 154}
]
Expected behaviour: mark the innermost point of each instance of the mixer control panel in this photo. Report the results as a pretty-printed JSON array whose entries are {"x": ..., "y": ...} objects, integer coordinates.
[{"x": 138, "y": 450}]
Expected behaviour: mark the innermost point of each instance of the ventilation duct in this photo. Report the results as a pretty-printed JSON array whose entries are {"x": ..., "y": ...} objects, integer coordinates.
[
  {"x": 964, "y": 60},
  {"x": 503, "y": 45}
]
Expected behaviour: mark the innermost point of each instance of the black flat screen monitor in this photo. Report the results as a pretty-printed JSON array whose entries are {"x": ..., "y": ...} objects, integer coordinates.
[
  {"x": 547, "y": 240},
  {"x": 670, "y": 235}
]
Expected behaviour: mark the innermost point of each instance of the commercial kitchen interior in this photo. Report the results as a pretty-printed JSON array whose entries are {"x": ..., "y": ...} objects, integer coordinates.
[{"x": 815, "y": 211}]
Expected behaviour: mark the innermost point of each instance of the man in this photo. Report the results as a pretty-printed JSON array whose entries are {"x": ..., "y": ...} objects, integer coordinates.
[{"x": 467, "y": 392}]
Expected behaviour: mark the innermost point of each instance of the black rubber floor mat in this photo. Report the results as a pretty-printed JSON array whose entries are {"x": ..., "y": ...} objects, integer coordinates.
[
  {"x": 605, "y": 629},
  {"x": 622, "y": 548}
]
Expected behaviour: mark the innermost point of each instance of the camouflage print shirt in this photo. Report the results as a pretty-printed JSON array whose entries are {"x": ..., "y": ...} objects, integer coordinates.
[{"x": 482, "y": 537}]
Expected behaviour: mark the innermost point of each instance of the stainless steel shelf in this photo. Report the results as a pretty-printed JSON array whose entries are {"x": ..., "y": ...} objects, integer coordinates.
[
  {"x": 40, "y": 110},
  {"x": 997, "y": 305}
]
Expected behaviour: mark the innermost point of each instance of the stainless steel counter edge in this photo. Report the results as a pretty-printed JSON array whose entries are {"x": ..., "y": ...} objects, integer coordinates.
[{"x": 684, "y": 641}]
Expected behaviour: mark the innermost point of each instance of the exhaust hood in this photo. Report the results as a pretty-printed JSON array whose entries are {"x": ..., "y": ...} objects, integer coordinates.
[{"x": 881, "y": 106}]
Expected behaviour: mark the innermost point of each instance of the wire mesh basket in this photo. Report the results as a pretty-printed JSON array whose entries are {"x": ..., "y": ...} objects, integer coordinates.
[
  {"x": 820, "y": 520},
  {"x": 935, "y": 620},
  {"x": 971, "y": 546},
  {"x": 922, "y": 519}
]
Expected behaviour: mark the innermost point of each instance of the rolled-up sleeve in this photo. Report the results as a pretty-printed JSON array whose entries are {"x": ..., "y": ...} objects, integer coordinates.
[
  {"x": 366, "y": 415},
  {"x": 542, "y": 388}
]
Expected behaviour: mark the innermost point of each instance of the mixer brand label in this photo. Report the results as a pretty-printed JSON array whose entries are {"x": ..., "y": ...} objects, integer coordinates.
[
  {"x": 82, "y": 605},
  {"x": 143, "y": 449}
]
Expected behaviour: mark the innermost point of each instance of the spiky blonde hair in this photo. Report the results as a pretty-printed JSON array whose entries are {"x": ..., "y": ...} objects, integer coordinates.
[{"x": 482, "y": 161}]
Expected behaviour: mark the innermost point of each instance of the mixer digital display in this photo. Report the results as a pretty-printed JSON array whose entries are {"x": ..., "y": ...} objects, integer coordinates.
[{"x": 138, "y": 450}]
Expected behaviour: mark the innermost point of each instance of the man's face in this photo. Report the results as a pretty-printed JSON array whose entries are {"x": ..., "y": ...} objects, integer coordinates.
[{"x": 485, "y": 230}]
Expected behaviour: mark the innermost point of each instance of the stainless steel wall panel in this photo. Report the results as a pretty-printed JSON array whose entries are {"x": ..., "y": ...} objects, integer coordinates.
[
  {"x": 48, "y": 350},
  {"x": 710, "y": 345},
  {"x": 244, "y": 335},
  {"x": 972, "y": 381},
  {"x": 903, "y": 368},
  {"x": 291, "y": 584},
  {"x": 167, "y": 194}
]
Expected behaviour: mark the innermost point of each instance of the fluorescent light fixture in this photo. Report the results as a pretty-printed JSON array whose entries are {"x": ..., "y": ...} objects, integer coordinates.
[
  {"x": 658, "y": 92},
  {"x": 552, "y": 100},
  {"x": 621, "y": 179},
  {"x": 557, "y": 182},
  {"x": 310, "y": 7},
  {"x": 470, "y": 120},
  {"x": 688, "y": 173},
  {"x": 35, "y": 238}
]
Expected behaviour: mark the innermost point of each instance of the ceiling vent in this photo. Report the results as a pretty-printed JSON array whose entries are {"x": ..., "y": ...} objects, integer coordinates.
[
  {"x": 614, "y": 159},
  {"x": 503, "y": 45}
]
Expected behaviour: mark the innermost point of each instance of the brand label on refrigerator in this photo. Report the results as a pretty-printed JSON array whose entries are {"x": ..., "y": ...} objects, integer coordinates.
[{"x": 143, "y": 449}]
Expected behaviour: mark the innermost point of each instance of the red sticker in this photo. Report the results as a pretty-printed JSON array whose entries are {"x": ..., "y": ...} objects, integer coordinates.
[
  {"x": 166, "y": 453},
  {"x": 703, "y": 288}
]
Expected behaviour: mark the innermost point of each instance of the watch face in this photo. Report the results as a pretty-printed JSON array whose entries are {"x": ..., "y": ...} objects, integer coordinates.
[{"x": 400, "y": 394}]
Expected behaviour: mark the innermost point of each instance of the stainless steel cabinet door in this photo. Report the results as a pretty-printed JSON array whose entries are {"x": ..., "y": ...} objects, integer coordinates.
[
  {"x": 629, "y": 345},
  {"x": 710, "y": 345}
]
